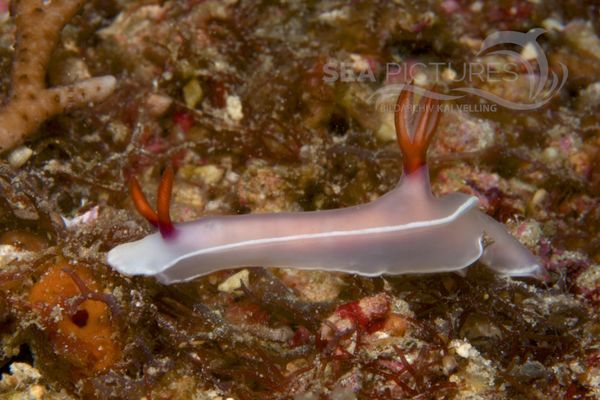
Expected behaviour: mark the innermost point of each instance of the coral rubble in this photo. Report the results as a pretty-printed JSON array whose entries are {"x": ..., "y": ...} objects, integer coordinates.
[
  {"x": 232, "y": 93},
  {"x": 38, "y": 27}
]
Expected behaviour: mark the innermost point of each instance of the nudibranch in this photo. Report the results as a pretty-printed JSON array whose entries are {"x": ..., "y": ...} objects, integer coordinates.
[{"x": 407, "y": 230}]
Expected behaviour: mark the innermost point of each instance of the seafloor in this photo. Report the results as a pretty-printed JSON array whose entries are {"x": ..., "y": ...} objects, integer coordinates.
[{"x": 232, "y": 93}]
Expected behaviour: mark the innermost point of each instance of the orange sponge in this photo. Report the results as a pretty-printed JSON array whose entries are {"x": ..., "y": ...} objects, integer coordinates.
[{"x": 78, "y": 325}]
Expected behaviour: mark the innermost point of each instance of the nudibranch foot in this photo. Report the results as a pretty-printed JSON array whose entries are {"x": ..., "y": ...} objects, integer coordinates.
[{"x": 407, "y": 230}]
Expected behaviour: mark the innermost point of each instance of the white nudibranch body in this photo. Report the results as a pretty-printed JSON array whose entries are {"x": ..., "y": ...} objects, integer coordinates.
[{"x": 407, "y": 230}]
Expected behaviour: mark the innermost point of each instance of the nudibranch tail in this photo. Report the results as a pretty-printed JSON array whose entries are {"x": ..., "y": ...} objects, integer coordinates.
[
  {"x": 415, "y": 130},
  {"x": 161, "y": 218}
]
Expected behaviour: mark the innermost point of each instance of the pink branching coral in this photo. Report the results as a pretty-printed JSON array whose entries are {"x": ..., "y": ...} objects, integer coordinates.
[{"x": 38, "y": 27}]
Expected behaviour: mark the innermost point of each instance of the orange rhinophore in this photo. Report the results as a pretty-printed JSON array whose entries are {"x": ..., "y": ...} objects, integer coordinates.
[
  {"x": 163, "y": 202},
  {"x": 140, "y": 202},
  {"x": 162, "y": 220}
]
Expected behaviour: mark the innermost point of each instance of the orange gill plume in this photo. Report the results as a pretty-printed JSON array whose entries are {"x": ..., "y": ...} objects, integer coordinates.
[{"x": 415, "y": 127}]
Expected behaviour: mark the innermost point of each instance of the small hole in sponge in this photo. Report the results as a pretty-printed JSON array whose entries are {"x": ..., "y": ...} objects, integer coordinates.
[
  {"x": 80, "y": 318},
  {"x": 338, "y": 125}
]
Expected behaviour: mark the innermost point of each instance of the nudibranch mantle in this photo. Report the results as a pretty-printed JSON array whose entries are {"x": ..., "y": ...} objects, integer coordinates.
[{"x": 407, "y": 230}]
